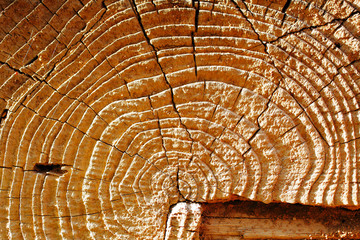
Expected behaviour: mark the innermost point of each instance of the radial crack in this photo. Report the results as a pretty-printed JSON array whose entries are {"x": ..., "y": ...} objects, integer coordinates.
[
  {"x": 340, "y": 20},
  {"x": 137, "y": 14},
  {"x": 64, "y": 122},
  {"x": 158, "y": 123},
  {"x": 19, "y": 71},
  {"x": 196, "y": 23},
  {"x": 286, "y": 6},
  {"x": 251, "y": 25}
]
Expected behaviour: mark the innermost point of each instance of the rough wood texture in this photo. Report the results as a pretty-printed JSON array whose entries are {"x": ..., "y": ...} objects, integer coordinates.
[
  {"x": 254, "y": 220},
  {"x": 114, "y": 111}
]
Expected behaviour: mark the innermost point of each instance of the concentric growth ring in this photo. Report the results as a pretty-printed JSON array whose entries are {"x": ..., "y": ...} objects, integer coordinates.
[{"x": 114, "y": 111}]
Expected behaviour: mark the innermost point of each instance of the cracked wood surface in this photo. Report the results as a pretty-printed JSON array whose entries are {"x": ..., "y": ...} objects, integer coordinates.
[{"x": 118, "y": 119}]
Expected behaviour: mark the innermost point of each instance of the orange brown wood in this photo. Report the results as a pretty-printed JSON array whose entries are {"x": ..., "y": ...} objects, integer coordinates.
[{"x": 119, "y": 119}]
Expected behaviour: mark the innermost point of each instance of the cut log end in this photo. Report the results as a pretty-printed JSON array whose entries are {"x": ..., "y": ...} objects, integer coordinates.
[{"x": 121, "y": 119}]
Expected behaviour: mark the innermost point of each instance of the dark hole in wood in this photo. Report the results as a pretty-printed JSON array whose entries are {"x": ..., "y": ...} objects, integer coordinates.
[
  {"x": 32, "y": 60},
  {"x": 3, "y": 115},
  {"x": 49, "y": 168},
  {"x": 286, "y": 6},
  {"x": 338, "y": 45},
  {"x": 250, "y": 219}
]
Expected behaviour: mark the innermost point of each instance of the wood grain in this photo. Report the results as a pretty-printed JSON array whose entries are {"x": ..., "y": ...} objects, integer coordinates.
[
  {"x": 256, "y": 220},
  {"x": 113, "y": 112}
]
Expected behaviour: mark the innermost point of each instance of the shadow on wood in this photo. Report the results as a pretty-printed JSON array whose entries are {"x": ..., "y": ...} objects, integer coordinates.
[{"x": 256, "y": 220}]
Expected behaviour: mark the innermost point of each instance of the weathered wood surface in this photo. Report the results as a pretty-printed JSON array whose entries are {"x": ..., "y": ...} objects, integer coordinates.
[
  {"x": 114, "y": 111},
  {"x": 256, "y": 220}
]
